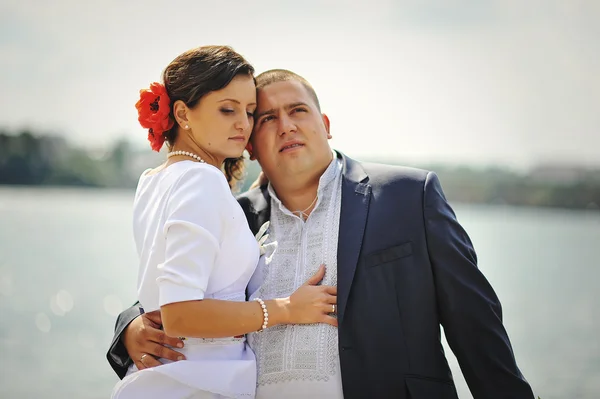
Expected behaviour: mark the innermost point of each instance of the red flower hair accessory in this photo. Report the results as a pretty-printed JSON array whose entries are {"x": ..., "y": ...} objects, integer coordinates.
[{"x": 154, "y": 108}]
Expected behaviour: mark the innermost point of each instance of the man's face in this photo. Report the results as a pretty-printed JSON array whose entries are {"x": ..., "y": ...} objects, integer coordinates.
[{"x": 290, "y": 135}]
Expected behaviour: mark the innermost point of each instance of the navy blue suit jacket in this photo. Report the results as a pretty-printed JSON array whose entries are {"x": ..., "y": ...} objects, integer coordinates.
[{"x": 405, "y": 267}]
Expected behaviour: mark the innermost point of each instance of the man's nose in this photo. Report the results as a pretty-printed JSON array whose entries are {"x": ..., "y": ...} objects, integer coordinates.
[{"x": 286, "y": 125}]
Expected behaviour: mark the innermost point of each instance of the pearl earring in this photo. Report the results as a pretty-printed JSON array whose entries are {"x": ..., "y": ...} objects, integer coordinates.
[{"x": 186, "y": 127}]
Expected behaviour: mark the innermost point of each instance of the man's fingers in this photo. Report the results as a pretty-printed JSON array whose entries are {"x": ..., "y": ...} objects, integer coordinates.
[
  {"x": 174, "y": 342},
  {"x": 164, "y": 352},
  {"x": 331, "y": 299},
  {"x": 318, "y": 276},
  {"x": 149, "y": 361},
  {"x": 160, "y": 337},
  {"x": 154, "y": 317},
  {"x": 151, "y": 333},
  {"x": 153, "y": 351},
  {"x": 139, "y": 365}
]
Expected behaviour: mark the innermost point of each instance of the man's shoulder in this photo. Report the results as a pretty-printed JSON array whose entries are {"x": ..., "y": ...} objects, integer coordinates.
[
  {"x": 380, "y": 173},
  {"x": 255, "y": 204},
  {"x": 249, "y": 199}
]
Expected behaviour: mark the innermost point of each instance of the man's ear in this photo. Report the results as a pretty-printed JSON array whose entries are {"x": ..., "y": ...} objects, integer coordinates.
[
  {"x": 250, "y": 152},
  {"x": 326, "y": 123}
]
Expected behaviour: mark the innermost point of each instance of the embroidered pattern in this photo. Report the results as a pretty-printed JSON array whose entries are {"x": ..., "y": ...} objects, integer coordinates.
[{"x": 300, "y": 352}]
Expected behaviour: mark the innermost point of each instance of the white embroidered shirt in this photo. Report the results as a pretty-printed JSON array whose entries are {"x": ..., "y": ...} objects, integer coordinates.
[{"x": 299, "y": 361}]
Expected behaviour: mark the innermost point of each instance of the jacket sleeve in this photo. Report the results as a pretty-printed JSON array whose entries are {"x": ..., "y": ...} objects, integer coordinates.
[
  {"x": 470, "y": 311},
  {"x": 117, "y": 354}
]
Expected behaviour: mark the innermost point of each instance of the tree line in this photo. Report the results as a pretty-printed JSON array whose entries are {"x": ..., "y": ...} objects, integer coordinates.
[{"x": 27, "y": 158}]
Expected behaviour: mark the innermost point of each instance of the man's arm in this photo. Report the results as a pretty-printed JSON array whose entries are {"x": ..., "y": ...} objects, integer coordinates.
[
  {"x": 117, "y": 354},
  {"x": 469, "y": 309},
  {"x": 136, "y": 336}
]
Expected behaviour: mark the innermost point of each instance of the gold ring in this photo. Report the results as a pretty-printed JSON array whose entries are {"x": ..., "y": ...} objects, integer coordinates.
[
  {"x": 142, "y": 358},
  {"x": 333, "y": 307}
]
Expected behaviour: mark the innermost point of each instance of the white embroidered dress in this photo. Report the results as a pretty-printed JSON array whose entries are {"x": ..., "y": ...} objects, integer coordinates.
[
  {"x": 299, "y": 361},
  {"x": 193, "y": 242}
]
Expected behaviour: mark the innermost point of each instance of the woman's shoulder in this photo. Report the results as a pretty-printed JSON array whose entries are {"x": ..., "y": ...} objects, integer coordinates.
[
  {"x": 198, "y": 177},
  {"x": 183, "y": 173},
  {"x": 185, "y": 182},
  {"x": 198, "y": 185}
]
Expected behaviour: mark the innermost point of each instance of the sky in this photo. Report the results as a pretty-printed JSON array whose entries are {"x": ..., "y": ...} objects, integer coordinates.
[{"x": 477, "y": 82}]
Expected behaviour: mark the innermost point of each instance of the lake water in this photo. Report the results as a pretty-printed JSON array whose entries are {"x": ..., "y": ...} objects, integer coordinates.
[{"x": 68, "y": 267}]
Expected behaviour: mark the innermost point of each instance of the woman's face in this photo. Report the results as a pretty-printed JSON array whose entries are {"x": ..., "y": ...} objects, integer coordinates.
[{"x": 222, "y": 121}]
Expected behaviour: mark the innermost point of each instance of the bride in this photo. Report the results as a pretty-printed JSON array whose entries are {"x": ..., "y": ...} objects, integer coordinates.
[{"x": 196, "y": 251}]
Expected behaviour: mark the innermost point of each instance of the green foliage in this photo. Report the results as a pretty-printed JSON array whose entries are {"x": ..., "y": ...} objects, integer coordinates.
[
  {"x": 29, "y": 159},
  {"x": 26, "y": 159}
]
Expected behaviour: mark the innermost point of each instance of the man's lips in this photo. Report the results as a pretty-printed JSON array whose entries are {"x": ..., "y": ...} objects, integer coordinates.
[{"x": 290, "y": 146}]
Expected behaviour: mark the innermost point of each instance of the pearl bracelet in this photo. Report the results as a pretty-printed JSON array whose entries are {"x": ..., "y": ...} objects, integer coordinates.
[{"x": 265, "y": 314}]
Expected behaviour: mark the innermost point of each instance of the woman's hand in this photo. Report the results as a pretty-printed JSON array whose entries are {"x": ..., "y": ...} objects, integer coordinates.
[{"x": 312, "y": 303}]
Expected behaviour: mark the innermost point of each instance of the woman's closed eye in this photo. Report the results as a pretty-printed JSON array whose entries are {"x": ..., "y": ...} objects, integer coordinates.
[{"x": 229, "y": 111}]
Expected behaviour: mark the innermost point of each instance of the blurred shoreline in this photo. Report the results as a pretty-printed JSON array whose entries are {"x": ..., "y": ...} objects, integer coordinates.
[{"x": 27, "y": 159}]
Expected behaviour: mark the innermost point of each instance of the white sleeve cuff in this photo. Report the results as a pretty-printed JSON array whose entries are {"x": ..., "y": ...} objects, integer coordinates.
[{"x": 170, "y": 292}]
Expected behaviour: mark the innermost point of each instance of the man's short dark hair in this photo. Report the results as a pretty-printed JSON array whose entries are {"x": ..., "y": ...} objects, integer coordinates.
[{"x": 283, "y": 75}]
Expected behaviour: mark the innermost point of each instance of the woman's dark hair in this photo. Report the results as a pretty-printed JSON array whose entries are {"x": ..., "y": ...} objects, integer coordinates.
[{"x": 198, "y": 72}]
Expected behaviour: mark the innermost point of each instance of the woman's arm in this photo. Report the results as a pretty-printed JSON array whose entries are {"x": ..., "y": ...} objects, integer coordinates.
[
  {"x": 216, "y": 318},
  {"x": 193, "y": 231}
]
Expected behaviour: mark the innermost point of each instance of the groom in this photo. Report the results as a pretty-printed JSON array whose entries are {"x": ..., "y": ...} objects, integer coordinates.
[{"x": 402, "y": 263}]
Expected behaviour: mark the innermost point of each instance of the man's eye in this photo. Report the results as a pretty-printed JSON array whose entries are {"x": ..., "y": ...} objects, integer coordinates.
[
  {"x": 300, "y": 109},
  {"x": 267, "y": 118}
]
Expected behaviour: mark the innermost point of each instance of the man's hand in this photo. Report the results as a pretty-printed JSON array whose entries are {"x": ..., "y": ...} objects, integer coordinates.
[{"x": 145, "y": 342}]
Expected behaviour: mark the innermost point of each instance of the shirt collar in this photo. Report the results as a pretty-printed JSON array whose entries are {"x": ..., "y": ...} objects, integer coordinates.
[{"x": 333, "y": 170}]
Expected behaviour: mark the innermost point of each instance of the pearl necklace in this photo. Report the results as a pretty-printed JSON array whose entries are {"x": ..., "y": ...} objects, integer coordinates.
[{"x": 187, "y": 154}]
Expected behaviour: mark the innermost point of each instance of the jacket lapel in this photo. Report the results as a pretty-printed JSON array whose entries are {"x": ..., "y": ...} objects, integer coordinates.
[{"x": 356, "y": 194}]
